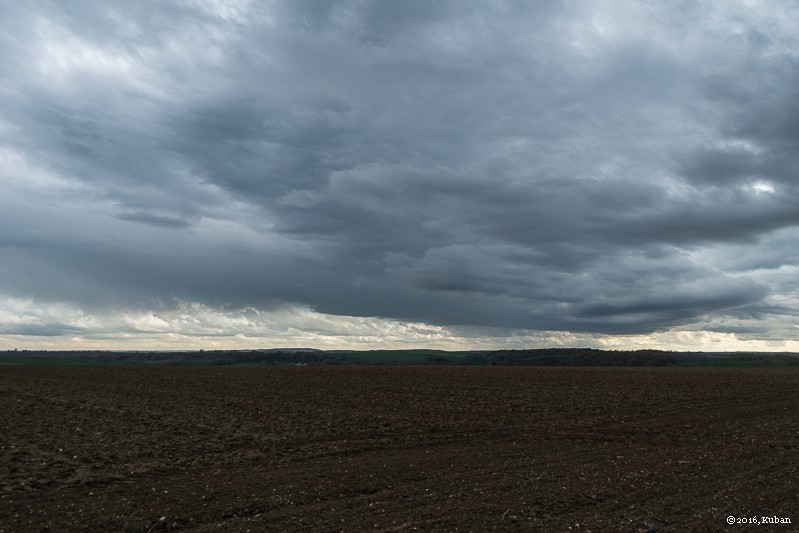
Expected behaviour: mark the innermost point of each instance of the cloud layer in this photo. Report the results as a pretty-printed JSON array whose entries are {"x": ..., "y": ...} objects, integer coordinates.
[{"x": 603, "y": 168}]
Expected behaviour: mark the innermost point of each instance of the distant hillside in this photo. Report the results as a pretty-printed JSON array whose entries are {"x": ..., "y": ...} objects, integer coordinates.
[
  {"x": 592, "y": 357},
  {"x": 307, "y": 356}
]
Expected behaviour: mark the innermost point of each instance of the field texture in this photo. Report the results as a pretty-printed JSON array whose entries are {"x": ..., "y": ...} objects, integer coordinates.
[{"x": 396, "y": 448}]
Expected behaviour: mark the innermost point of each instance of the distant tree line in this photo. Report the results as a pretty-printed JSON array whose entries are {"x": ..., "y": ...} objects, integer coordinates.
[{"x": 536, "y": 357}]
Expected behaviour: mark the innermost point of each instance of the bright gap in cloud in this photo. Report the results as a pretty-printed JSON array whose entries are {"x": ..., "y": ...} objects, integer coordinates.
[{"x": 762, "y": 187}]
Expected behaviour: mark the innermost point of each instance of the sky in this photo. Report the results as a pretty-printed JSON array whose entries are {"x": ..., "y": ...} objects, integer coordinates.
[{"x": 183, "y": 174}]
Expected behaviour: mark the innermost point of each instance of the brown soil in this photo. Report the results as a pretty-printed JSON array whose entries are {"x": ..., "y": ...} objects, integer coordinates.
[{"x": 155, "y": 449}]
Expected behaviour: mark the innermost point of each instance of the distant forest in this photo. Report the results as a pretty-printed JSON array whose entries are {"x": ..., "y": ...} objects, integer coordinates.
[{"x": 538, "y": 357}]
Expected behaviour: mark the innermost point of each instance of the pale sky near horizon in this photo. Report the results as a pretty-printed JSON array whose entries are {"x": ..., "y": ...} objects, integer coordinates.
[{"x": 399, "y": 174}]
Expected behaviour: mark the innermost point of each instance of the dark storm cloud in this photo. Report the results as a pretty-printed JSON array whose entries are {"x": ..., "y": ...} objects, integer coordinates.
[
  {"x": 154, "y": 220},
  {"x": 43, "y": 330},
  {"x": 559, "y": 165}
]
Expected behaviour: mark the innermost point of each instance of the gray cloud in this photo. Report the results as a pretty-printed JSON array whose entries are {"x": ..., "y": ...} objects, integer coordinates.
[{"x": 610, "y": 167}]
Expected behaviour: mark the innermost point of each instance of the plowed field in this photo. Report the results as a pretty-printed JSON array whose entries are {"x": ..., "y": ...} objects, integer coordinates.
[{"x": 153, "y": 449}]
